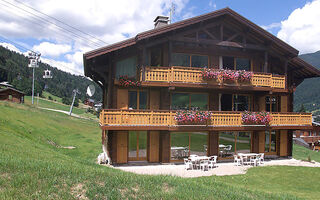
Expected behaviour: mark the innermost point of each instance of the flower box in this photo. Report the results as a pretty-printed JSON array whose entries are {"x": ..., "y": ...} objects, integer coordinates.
[
  {"x": 210, "y": 74},
  {"x": 126, "y": 81},
  {"x": 188, "y": 117},
  {"x": 244, "y": 77},
  {"x": 256, "y": 118},
  {"x": 229, "y": 76}
]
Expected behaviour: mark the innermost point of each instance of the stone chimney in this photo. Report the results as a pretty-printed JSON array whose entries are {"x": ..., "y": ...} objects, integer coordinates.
[{"x": 161, "y": 21}]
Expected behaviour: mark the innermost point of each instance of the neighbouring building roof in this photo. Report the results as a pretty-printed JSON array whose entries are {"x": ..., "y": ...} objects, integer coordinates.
[{"x": 11, "y": 89}]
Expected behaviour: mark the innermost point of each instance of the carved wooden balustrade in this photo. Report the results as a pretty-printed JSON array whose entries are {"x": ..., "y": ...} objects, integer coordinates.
[
  {"x": 193, "y": 75},
  {"x": 149, "y": 118}
]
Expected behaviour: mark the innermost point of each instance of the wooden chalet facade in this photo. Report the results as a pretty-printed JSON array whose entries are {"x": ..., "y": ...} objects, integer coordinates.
[
  {"x": 138, "y": 122},
  {"x": 11, "y": 94}
]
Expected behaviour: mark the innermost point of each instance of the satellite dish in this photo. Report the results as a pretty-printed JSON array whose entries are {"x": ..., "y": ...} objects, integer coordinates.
[{"x": 91, "y": 90}]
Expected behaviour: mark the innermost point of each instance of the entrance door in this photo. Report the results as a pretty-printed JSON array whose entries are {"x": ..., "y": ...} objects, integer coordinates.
[{"x": 137, "y": 145}]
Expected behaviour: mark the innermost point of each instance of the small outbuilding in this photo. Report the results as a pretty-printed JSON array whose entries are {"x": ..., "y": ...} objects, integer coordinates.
[{"x": 11, "y": 94}]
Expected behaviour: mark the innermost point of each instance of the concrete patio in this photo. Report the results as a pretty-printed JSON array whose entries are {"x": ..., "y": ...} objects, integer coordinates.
[{"x": 221, "y": 169}]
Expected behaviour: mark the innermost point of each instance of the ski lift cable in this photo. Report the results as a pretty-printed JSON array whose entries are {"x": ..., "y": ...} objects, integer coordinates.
[
  {"x": 62, "y": 22},
  {"x": 58, "y": 26}
]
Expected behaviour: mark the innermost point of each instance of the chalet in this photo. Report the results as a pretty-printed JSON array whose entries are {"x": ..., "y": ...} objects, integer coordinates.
[
  {"x": 215, "y": 84},
  {"x": 11, "y": 94}
]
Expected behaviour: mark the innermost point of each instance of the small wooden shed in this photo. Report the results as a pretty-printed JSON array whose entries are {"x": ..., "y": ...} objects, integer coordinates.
[{"x": 11, "y": 94}]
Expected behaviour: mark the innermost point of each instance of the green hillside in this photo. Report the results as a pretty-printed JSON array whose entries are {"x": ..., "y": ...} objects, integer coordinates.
[
  {"x": 14, "y": 69},
  {"x": 33, "y": 165},
  {"x": 308, "y": 92}
]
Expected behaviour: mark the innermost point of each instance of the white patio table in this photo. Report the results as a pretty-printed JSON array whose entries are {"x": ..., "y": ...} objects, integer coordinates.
[
  {"x": 196, "y": 160},
  {"x": 246, "y": 157}
]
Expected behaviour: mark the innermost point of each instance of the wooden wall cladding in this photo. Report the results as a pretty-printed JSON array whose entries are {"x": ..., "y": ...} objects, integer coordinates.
[
  {"x": 214, "y": 61},
  {"x": 255, "y": 141},
  {"x": 122, "y": 147},
  {"x": 153, "y": 146},
  {"x": 283, "y": 151},
  {"x": 154, "y": 99},
  {"x": 261, "y": 141},
  {"x": 284, "y": 104},
  {"x": 164, "y": 146},
  {"x": 164, "y": 99},
  {"x": 261, "y": 103},
  {"x": 213, "y": 143},
  {"x": 122, "y": 99},
  {"x": 112, "y": 145},
  {"x": 214, "y": 101},
  {"x": 289, "y": 142}
]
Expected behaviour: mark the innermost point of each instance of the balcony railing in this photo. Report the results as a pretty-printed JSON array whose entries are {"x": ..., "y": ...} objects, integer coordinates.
[
  {"x": 193, "y": 75},
  {"x": 218, "y": 119}
]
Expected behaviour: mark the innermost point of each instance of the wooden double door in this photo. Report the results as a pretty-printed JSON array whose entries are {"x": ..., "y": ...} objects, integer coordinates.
[{"x": 137, "y": 146}]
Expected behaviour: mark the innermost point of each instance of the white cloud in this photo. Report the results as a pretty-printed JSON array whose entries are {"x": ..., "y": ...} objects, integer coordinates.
[
  {"x": 212, "y": 5},
  {"x": 10, "y": 47},
  {"x": 271, "y": 26},
  {"x": 302, "y": 28},
  {"x": 110, "y": 21},
  {"x": 51, "y": 49},
  {"x": 64, "y": 66}
]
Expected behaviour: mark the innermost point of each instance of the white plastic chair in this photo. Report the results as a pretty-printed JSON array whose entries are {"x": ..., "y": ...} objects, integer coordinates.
[
  {"x": 204, "y": 164},
  {"x": 261, "y": 158},
  {"x": 187, "y": 164},
  {"x": 254, "y": 161},
  {"x": 237, "y": 160},
  {"x": 212, "y": 162}
]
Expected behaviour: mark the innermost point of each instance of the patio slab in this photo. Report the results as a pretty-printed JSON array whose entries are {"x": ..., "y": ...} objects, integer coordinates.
[{"x": 221, "y": 169}]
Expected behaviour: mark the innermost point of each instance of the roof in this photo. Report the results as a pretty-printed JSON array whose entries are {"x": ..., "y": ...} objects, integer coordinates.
[
  {"x": 12, "y": 89},
  {"x": 188, "y": 22}
]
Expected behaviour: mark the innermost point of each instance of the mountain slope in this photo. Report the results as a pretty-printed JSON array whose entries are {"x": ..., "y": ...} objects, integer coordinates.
[
  {"x": 14, "y": 69},
  {"x": 308, "y": 92}
]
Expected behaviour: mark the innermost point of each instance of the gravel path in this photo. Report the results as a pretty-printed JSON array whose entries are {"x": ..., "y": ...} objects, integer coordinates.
[{"x": 221, "y": 169}]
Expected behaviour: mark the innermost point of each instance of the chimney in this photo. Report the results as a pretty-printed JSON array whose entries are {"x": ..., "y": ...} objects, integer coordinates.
[{"x": 161, "y": 21}]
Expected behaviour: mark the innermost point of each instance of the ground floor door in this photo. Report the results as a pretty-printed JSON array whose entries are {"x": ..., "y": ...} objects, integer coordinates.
[{"x": 137, "y": 150}]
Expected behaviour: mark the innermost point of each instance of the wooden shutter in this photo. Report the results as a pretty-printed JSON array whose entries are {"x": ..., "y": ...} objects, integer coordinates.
[{"x": 122, "y": 99}]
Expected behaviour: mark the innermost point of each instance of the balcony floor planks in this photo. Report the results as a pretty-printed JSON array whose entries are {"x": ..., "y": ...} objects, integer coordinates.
[
  {"x": 205, "y": 128},
  {"x": 210, "y": 86}
]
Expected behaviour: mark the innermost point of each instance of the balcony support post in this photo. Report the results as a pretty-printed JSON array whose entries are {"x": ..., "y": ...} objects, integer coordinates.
[
  {"x": 286, "y": 73},
  {"x": 170, "y": 53},
  {"x": 144, "y": 56}
]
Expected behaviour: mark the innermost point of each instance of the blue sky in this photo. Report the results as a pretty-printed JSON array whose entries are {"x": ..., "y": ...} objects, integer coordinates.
[{"x": 294, "y": 21}]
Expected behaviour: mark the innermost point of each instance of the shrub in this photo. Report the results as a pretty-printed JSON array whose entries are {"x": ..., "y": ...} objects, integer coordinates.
[{"x": 50, "y": 98}]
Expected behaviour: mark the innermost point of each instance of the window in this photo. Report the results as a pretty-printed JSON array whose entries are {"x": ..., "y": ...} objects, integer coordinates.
[
  {"x": 240, "y": 102},
  {"x": 199, "y": 61},
  {"x": 179, "y": 59},
  {"x": 186, "y": 101},
  {"x": 270, "y": 141},
  {"x": 271, "y": 103},
  {"x": 184, "y": 144},
  {"x": 126, "y": 67},
  {"x": 231, "y": 143},
  {"x": 236, "y": 63},
  {"x": 186, "y": 60},
  {"x": 243, "y": 64},
  {"x": 138, "y": 99},
  {"x": 156, "y": 57}
]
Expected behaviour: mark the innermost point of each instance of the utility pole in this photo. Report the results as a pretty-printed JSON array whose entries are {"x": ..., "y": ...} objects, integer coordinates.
[
  {"x": 74, "y": 97},
  {"x": 33, "y": 62}
]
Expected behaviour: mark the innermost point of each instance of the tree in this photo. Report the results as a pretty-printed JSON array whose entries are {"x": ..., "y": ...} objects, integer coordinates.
[{"x": 302, "y": 109}]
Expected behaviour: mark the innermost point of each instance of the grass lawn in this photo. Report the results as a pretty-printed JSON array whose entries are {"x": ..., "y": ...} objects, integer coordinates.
[
  {"x": 46, "y": 95},
  {"x": 32, "y": 168}
]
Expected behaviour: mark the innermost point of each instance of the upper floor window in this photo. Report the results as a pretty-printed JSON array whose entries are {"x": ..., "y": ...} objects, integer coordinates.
[
  {"x": 138, "y": 99},
  {"x": 236, "y": 63},
  {"x": 240, "y": 102},
  {"x": 187, "y": 60},
  {"x": 272, "y": 104},
  {"x": 127, "y": 67},
  {"x": 188, "y": 101}
]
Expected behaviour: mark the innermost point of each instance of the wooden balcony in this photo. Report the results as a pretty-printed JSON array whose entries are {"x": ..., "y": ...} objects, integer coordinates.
[
  {"x": 164, "y": 120},
  {"x": 187, "y": 75}
]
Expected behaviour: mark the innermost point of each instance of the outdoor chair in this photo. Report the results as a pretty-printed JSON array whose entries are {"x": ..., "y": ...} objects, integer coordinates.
[
  {"x": 204, "y": 164},
  {"x": 254, "y": 161},
  {"x": 212, "y": 162},
  {"x": 261, "y": 158},
  {"x": 187, "y": 164},
  {"x": 237, "y": 160}
]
